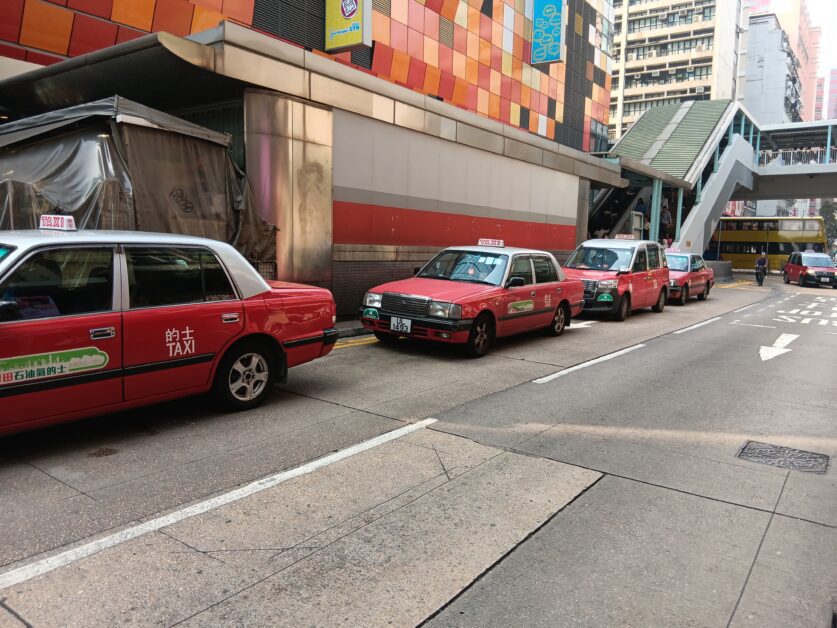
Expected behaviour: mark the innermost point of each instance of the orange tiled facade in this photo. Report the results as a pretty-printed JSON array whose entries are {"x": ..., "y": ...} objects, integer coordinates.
[{"x": 472, "y": 53}]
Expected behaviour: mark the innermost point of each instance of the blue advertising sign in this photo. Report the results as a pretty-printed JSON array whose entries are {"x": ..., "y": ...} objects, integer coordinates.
[{"x": 548, "y": 26}]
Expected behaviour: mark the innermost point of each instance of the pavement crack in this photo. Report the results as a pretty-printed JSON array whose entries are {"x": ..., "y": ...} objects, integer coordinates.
[
  {"x": 758, "y": 550},
  {"x": 439, "y": 458},
  {"x": 191, "y": 547},
  {"x": 14, "y": 613},
  {"x": 511, "y": 551},
  {"x": 59, "y": 480},
  {"x": 339, "y": 538}
]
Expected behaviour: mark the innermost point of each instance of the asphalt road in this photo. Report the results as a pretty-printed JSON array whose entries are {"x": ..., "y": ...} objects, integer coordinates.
[{"x": 610, "y": 494}]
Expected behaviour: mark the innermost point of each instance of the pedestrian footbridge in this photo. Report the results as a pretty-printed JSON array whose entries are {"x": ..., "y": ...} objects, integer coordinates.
[{"x": 713, "y": 151}]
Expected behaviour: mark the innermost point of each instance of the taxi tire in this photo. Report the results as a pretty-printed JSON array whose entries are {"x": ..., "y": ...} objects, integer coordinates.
[
  {"x": 483, "y": 324},
  {"x": 705, "y": 294},
  {"x": 684, "y": 296},
  {"x": 221, "y": 387},
  {"x": 660, "y": 305},
  {"x": 785, "y": 278},
  {"x": 554, "y": 329},
  {"x": 623, "y": 311}
]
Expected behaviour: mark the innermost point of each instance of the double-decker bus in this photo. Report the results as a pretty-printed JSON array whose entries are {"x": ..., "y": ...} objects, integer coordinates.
[{"x": 742, "y": 240}]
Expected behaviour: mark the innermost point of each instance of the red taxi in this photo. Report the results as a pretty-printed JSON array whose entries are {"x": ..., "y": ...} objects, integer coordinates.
[
  {"x": 620, "y": 276},
  {"x": 94, "y": 322},
  {"x": 689, "y": 277},
  {"x": 810, "y": 268},
  {"x": 474, "y": 294}
]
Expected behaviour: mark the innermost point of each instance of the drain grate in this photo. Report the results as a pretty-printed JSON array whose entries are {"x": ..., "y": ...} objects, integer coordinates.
[{"x": 785, "y": 457}]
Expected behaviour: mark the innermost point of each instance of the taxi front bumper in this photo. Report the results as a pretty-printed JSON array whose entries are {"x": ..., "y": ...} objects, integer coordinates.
[
  {"x": 438, "y": 329},
  {"x": 817, "y": 280}
]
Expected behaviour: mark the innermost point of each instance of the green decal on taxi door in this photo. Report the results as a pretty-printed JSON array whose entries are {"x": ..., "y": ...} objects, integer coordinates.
[
  {"x": 521, "y": 306},
  {"x": 27, "y": 368}
]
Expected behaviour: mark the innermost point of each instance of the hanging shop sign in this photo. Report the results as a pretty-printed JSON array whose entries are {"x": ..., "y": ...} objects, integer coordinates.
[
  {"x": 348, "y": 24},
  {"x": 548, "y": 31}
]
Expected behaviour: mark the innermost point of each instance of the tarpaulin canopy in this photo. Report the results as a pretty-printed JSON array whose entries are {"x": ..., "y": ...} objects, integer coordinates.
[{"x": 115, "y": 164}]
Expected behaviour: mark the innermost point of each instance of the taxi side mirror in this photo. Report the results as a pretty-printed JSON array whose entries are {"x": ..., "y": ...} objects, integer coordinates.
[
  {"x": 416, "y": 270},
  {"x": 9, "y": 311},
  {"x": 516, "y": 282}
]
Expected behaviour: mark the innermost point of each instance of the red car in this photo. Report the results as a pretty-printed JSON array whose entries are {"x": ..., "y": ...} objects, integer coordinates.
[
  {"x": 620, "y": 276},
  {"x": 95, "y": 322},
  {"x": 810, "y": 268},
  {"x": 474, "y": 294},
  {"x": 689, "y": 277}
]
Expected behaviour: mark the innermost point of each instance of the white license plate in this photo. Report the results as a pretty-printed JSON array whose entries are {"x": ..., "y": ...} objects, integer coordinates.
[
  {"x": 401, "y": 325},
  {"x": 823, "y": 279}
]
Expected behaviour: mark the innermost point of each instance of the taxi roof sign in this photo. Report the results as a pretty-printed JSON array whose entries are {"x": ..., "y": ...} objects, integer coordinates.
[
  {"x": 58, "y": 223},
  {"x": 624, "y": 236},
  {"x": 490, "y": 242}
]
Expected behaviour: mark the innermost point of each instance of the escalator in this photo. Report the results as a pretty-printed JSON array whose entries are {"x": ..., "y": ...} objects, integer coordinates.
[{"x": 611, "y": 208}]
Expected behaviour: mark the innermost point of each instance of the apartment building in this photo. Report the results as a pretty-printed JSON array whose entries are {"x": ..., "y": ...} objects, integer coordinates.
[
  {"x": 818, "y": 102},
  {"x": 773, "y": 87},
  {"x": 832, "y": 94},
  {"x": 671, "y": 51}
]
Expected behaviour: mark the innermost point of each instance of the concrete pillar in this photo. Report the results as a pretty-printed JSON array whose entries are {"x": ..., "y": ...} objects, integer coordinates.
[
  {"x": 699, "y": 189},
  {"x": 743, "y": 121},
  {"x": 717, "y": 158},
  {"x": 758, "y": 146},
  {"x": 656, "y": 202},
  {"x": 752, "y": 126},
  {"x": 679, "y": 214},
  {"x": 828, "y": 146}
]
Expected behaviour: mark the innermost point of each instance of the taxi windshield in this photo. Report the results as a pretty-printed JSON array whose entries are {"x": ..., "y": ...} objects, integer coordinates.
[
  {"x": 600, "y": 258},
  {"x": 823, "y": 261},
  {"x": 678, "y": 262},
  {"x": 470, "y": 266}
]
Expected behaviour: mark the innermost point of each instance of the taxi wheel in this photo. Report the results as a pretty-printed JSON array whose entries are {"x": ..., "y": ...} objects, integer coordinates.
[
  {"x": 481, "y": 337},
  {"x": 705, "y": 294},
  {"x": 684, "y": 296},
  {"x": 559, "y": 321},
  {"x": 785, "y": 278},
  {"x": 624, "y": 309},
  {"x": 245, "y": 376},
  {"x": 661, "y": 302}
]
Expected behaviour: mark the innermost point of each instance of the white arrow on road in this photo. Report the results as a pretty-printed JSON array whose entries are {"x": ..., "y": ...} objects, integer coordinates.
[
  {"x": 581, "y": 324},
  {"x": 778, "y": 348}
]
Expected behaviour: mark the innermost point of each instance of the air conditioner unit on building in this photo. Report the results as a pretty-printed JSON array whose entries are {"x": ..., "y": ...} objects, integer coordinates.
[
  {"x": 652, "y": 54},
  {"x": 699, "y": 90},
  {"x": 655, "y": 73},
  {"x": 630, "y": 57},
  {"x": 700, "y": 48},
  {"x": 684, "y": 13}
]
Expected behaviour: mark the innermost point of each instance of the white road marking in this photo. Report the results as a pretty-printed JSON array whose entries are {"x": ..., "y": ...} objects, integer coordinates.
[
  {"x": 746, "y": 307},
  {"x": 746, "y": 316},
  {"x": 581, "y": 324},
  {"x": 684, "y": 330},
  {"x": 752, "y": 325},
  {"x": 599, "y": 360},
  {"x": 45, "y": 565},
  {"x": 778, "y": 348}
]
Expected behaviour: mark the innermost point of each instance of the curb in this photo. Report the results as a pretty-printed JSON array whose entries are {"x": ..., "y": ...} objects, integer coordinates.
[{"x": 350, "y": 332}]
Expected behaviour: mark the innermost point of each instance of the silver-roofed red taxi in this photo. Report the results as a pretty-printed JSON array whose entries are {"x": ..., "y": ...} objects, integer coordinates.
[
  {"x": 620, "y": 275},
  {"x": 98, "y": 321},
  {"x": 688, "y": 277},
  {"x": 474, "y": 294}
]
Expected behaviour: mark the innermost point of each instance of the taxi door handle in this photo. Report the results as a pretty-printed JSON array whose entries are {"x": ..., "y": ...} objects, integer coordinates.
[
  {"x": 233, "y": 317},
  {"x": 531, "y": 294},
  {"x": 102, "y": 333}
]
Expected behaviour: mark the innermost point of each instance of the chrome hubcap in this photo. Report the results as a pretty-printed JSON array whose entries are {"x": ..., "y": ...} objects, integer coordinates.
[
  {"x": 248, "y": 376},
  {"x": 481, "y": 337},
  {"x": 559, "y": 319}
]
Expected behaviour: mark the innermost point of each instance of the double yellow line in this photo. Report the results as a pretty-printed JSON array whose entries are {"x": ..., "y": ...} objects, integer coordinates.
[{"x": 356, "y": 341}]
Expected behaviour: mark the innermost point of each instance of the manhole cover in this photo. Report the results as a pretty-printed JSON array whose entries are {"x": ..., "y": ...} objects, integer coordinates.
[{"x": 785, "y": 457}]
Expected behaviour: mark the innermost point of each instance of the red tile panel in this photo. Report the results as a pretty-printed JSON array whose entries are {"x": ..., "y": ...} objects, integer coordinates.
[
  {"x": 100, "y": 8},
  {"x": 484, "y": 78},
  {"x": 41, "y": 58},
  {"x": 173, "y": 16},
  {"x": 416, "y": 73},
  {"x": 415, "y": 15},
  {"x": 91, "y": 33},
  {"x": 398, "y": 36},
  {"x": 415, "y": 44},
  {"x": 445, "y": 59},
  {"x": 12, "y": 52},
  {"x": 11, "y": 15},
  {"x": 400, "y": 66},
  {"x": 382, "y": 59},
  {"x": 431, "y": 24},
  {"x": 432, "y": 80},
  {"x": 447, "y": 83},
  {"x": 136, "y": 13},
  {"x": 127, "y": 34}
]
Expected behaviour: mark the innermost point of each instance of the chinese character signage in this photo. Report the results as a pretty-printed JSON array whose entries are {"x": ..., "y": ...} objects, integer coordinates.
[
  {"x": 548, "y": 27},
  {"x": 348, "y": 24}
]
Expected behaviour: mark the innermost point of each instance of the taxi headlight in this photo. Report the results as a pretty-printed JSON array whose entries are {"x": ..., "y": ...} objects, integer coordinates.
[
  {"x": 673, "y": 283},
  {"x": 372, "y": 299},
  {"x": 440, "y": 309},
  {"x": 608, "y": 284}
]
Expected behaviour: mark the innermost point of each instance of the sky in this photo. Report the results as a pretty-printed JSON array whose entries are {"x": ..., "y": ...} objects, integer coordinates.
[{"x": 824, "y": 14}]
